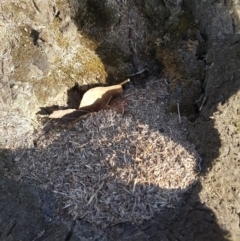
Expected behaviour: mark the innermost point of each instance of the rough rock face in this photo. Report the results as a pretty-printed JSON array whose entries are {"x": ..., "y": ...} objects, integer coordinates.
[
  {"x": 43, "y": 56},
  {"x": 29, "y": 215},
  {"x": 174, "y": 41},
  {"x": 216, "y": 132},
  {"x": 39, "y": 50},
  {"x": 48, "y": 48},
  {"x": 121, "y": 30}
]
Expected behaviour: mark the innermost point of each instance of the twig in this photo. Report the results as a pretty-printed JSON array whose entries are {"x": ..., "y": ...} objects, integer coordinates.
[
  {"x": 79, "y": 144},
  {"x": 139, "y": 72},
  {"x": 90, "y": 200},
  {"x": 39, "y": 235},
  {"x": 204, "y": 99},
  {"x": 179, "y": 115}
]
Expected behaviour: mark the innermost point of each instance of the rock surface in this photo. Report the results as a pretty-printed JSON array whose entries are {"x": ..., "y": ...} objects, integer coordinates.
[
  {"x": 216, "y": 132},
  {"x": 40, "y": 53}
]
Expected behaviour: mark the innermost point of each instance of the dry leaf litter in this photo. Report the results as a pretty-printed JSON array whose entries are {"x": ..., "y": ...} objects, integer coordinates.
[{"x": 124, "y": 163}]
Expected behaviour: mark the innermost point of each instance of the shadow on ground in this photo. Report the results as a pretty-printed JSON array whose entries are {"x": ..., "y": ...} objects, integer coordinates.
[{"x": 25, "y": 207}]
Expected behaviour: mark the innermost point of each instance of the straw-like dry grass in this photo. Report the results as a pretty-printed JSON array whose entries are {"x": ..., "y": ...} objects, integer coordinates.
[{"x": 121, "y": 164}]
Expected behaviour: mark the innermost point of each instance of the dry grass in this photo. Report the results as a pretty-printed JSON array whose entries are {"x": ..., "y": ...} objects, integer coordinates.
[{"x": 125, "y": 163}]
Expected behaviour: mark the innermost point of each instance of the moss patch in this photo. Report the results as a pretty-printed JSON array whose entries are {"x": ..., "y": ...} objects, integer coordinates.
[
  {"x": 83, "y": 67},
  {"x": 96, "y": 17},
  {"x": 116, "y": 59},
  {"x": 155, "y": 11},
  {"x": 24, "y": 54},
  {"x": 185, "y": 22},
  {"x": 74, "y": 64}
]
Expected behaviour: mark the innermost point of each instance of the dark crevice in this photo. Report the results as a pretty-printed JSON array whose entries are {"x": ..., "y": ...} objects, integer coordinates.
[
  {"x": 35, "y": 5},
  {"x": 35, "y": 36},
  {"x": 75, "y": 95},
  {"x": 70, "y": 233},
  {"x": 233, "y": 24},
  {"x": 12, "y": 227},
  {"x": 57, "y": 14}
]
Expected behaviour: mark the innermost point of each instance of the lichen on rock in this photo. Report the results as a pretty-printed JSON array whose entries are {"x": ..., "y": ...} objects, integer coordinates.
[{"x": 48, "y": 52}]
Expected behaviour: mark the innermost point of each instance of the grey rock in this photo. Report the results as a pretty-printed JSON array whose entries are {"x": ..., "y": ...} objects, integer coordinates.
[
  {"x": 42, "y": 63},
  {"x": 45, "y": 10},
  {"x": 126, "y": 231},
  {"x": 213, "y": 18},
  {"x": 22, "y": 217},
  {"x": 87, "y": 232},
  {"x": 174, "y": 6}
]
